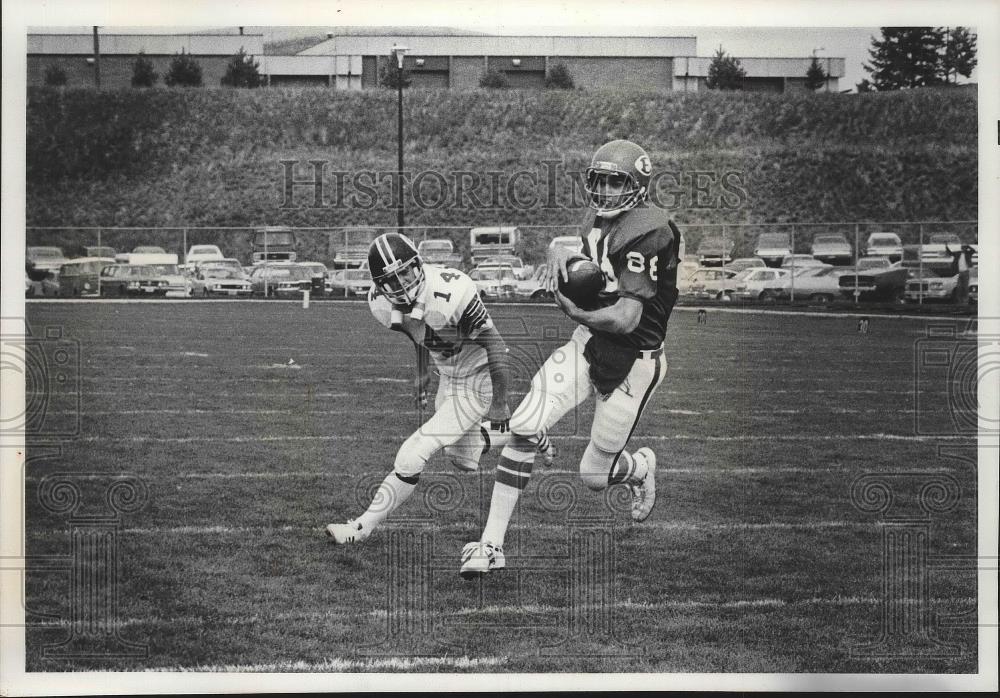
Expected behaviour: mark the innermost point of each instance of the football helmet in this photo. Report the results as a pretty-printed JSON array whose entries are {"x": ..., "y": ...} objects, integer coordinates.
[
  {"x": 618, "y": 177},
  {"x": 396, "y": 268}
]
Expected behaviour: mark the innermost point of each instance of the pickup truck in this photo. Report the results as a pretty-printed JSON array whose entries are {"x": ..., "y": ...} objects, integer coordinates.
[
  {"x": 832, "y": 248},
  {"x": 715, "y": 251}
]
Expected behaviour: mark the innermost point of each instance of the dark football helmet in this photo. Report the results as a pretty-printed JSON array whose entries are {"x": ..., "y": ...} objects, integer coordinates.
[
  {"x": 618, "y": 177},
  {"x": 396, "y": 268}
]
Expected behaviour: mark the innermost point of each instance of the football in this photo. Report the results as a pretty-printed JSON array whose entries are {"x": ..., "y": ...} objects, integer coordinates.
[{"x": 585, "y": 281}]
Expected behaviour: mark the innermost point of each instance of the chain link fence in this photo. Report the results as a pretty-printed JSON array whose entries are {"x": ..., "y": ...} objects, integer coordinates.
[{"x": 342, "y": 249}]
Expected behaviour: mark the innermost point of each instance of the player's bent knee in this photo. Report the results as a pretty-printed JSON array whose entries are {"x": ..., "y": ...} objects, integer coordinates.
[
  {"x": 461, "y": 458},
  {"x": 608, "y": 436},
  {"x": 414, "y": 454},
  {"x": 594, "y": 467}
]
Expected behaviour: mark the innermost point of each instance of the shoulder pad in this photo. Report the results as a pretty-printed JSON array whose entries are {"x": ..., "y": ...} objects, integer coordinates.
[{"x": 637, "y": 224}]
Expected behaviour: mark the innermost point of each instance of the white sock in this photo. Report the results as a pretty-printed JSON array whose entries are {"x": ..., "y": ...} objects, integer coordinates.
[
  {"x": 630, "y": 469},
  {"x": 391, "y": 493},
  {"x": 513, "y": 472}
]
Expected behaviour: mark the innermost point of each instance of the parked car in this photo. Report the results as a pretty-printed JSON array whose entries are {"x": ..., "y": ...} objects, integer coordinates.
[
  {"x": 79, "y": 277},
  {"x": 45, "y": 258},
  {"x": 203, "y": 253},
  {"x": 102, "y": 251},
  {"x": 832, "y": 248},
  {"x": 772, "y": 248},
  {"x": 220, "y": 279},
  {"x": 760, "y": 284},
  {"x": 974, "y": 286},
  {"x": 275, "y": 243},
  {"x": 281, "y": 280},
  {"x": 440, "y": 252},
  {"x": 884, "y": 245},
  {"x": 685, "y": 270},
  {"x": 738, "y": 265},
  {"x": 355, "y": 249},
  {"x": 495, "y": 282},
  {"x": 350, "y": 282},
  {"x": 143, "y": 250},
  {"x": 877, "y": 279},
  {"x": 937, "y": 282},
  {"x": 715, "y": 251},
  {"x": 144, "y": 280},
  {"x": 711, "y": 282},
  {"x": 574, "y": 243},
  {"x": 320, "y": 277},
  {"x": 521, "y": 270},
  {"x": 797, "y": 261},
  {"x": 817, "y": 284},
  {"x": 940, "y": 246}
]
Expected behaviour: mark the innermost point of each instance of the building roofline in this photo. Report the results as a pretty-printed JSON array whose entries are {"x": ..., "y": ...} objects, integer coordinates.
[
  {"x": 157, "y": 34},
  {"x": 513, "y": 36}
]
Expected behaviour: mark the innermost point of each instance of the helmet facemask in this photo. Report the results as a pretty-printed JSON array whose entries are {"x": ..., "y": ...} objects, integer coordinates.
[
  {"x": 401, "y": 283},
  {"x": 612, "y": 190}
]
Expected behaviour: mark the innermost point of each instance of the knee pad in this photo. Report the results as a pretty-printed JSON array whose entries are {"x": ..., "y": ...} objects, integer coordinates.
[
  {"x": 595, "y": 466},
  {"x": 465, "y": 454},
  {"x": 414, "y": 454}
]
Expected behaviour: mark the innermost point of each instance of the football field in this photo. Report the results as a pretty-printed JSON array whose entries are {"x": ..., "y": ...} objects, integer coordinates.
[{"x": 250, "y": 425}]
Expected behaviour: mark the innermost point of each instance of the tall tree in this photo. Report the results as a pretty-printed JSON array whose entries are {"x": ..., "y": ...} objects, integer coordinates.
[
  {"x": 242, "y": 71},
  {"x": 725, "y": 72},
  {"x": 815, "y": 76},
  {"x": 143, "y": 74},
  {"x": 184, "y": 71},
  {"x": 906, "y": 57},
  {"x": 959, "y": 56}
]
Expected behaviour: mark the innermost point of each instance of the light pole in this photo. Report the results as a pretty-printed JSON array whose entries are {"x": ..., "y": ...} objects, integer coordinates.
[{"x": 399, "y": 52}]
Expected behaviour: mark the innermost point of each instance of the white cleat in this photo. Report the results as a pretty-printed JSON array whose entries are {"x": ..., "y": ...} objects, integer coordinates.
[
  {"x": 644, "y": 493},
  {"x": 350, "y": 532},
  {"x": 481, "y": 558}
]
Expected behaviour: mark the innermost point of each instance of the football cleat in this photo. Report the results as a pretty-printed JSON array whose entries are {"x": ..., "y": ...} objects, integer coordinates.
[
  {"x": 481, "y": 558},
  {"x": 350, "y": 532},
  {"x": 644, "y": 493}
]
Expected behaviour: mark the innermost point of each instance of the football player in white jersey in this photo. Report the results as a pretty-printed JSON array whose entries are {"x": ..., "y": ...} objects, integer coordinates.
[{"x": 439, "y": 309}]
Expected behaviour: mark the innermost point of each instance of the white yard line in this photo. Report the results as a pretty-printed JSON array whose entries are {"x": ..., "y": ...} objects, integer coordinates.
[
  {"x": 744, "y": 438},
  {"x": 338, "y": 664}
]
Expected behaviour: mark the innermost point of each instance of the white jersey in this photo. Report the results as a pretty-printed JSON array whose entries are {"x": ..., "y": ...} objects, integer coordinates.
[{"x": 446, "y": 318}]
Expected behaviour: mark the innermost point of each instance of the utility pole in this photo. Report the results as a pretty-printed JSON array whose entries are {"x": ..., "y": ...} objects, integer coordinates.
[{"x": 97, "y": 60}]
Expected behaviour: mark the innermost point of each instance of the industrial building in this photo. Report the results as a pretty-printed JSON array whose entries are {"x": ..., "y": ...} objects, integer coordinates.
[{"x": 433, "y": 60}]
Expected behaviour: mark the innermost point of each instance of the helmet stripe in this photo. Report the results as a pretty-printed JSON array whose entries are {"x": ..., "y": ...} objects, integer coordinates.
[{"x": 383, "y": 246}]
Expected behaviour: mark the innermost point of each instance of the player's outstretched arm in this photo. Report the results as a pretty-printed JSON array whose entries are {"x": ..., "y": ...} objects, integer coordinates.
[
  {"x": 496, "y": 354},
  {"x": 621, "y": 318}
]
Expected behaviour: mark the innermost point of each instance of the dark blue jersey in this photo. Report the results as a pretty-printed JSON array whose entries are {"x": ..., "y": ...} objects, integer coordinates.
[{"x": 637, "y": 251}]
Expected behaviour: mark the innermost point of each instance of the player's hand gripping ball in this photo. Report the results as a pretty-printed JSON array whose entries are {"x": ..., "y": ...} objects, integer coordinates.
[{"x": 585, "y": 281}]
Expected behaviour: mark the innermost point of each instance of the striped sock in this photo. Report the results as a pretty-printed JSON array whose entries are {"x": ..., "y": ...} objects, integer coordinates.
[
  {"x": 627, "y": 469},
  {"x": 393, "y": 491},
  {"x": 512, "y": 476},
  {"x": 541, "y": 441}
]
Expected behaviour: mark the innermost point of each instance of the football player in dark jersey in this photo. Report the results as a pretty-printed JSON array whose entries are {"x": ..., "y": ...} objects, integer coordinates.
[{"x": 616, "y": 353}]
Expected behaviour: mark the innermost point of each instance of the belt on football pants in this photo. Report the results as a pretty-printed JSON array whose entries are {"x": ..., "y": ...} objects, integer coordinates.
[{"x": 650, "y": 353}]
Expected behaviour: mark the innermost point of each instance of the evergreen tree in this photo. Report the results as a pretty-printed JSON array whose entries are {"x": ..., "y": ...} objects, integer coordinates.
[
  {"x": 55, "y": 76},
  {"x": 815, "y": 76},
  {"x": 559, "y": 78},
  {"x": 143, "y": 74},
  {"x": 725, "y": 72},
  {"x": 865, "y": 86},
  {"x": 494, "y": 80},
  {"x": 242, "y": 71},
  {"x": 906, "y": 57},
  {"x": 389, "y": 75},
  {"x": 959, "y": 56},
  {"x": 184, "y": 71}
]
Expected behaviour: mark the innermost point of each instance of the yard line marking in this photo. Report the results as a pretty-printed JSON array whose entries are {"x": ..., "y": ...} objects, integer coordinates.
[
  {"x": 535, "y": 526},
  {"x": 576, "y": 437},
  {"x": 506, "y": 304},
  {"x": 325, "y": 474},
  {"x": 339, "y": 665},
  {"x": 375, "y": 412},
  {"x": 181, "y": 394}
]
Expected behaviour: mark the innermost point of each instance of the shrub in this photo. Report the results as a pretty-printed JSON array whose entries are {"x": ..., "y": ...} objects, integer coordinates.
[
  {"x": 55, "y": 76},
  {"x": 494, "y": 80},
  {"x": 184, "y": 71},
  {"x": 143, "y": 74},
  {"x": 559, "y": 78},
  {"x": 815, "y": 75},
  {"x": 725, "y": 72},
  {"x": 242, "y": 71}
]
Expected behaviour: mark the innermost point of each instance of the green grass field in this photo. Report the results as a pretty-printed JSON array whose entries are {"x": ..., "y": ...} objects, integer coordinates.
[{"x": 755, "y": 558}]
